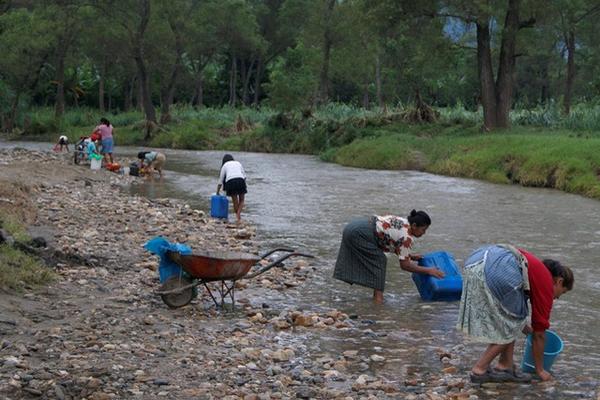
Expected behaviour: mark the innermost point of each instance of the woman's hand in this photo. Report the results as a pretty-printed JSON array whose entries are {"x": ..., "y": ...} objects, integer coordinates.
[
  {"x": 436, "y": 273},
  {"x": 527, "y": 329},
  {"x": 415, "y": 257}
]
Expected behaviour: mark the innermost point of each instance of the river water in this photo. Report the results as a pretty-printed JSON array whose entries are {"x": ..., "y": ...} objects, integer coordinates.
[{"x": 298, "y": 201}]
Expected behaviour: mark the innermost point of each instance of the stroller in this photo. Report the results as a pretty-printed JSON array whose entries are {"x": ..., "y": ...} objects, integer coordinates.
[{"x": 80, "y": 152}]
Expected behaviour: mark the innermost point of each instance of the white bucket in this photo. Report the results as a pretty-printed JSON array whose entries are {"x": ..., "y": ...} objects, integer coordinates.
[{"x": 96, "y": 163}]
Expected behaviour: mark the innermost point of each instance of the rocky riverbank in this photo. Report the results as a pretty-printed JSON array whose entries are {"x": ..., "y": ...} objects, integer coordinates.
[{"x": 100, "y": 331}]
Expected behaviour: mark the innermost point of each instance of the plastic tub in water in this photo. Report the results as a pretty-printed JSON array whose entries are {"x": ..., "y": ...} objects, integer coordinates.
[{"x": 552, "y": 348}]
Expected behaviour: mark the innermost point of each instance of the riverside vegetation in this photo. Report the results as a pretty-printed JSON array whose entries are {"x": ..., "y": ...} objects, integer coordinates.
[{"x": 542, "y": 149}]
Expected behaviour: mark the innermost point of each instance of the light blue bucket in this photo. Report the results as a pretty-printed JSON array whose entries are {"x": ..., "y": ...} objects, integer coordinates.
[{"x": 552, "y": 348}]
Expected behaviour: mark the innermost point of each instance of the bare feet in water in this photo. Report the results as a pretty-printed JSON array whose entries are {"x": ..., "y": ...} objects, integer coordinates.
[{"x": 378, "y": 296}]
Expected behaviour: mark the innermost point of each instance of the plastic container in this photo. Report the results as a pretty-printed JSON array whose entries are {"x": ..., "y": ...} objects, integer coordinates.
[
  {"x": 95, "y": 163},
  {"x": 161, "y": 246},
  {"x": 448, "y": 288},
  {"x": 219, "y": 206},
  {"x": 134, "y": 169},
  {"x": 553, "y": 346}
]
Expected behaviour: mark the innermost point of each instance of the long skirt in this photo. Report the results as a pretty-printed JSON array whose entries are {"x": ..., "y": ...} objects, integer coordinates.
[
  {"x": 360, "y": 260},
  {"x": 490, "y": 272}
]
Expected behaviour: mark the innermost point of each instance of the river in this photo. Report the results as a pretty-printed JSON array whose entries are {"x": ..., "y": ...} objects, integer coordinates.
[{"x": 298, "y": 201}]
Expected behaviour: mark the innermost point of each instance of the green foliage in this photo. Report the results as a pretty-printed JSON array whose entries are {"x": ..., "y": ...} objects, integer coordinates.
[{"x": 293, "y": 82}]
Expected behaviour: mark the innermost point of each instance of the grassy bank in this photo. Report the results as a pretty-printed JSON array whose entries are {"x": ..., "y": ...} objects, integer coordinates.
[
  {"x": 18, "y": 270},
  {"x": 543, "y": 148}
]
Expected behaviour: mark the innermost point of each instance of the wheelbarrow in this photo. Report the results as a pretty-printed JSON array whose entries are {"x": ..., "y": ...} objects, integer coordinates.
[{"x": 214, "y": 266}]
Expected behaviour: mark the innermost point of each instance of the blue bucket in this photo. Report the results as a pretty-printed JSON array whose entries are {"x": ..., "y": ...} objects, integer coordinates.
[
  {"x": 552, "y": 348},
  {"x": 219, "y": 206}
]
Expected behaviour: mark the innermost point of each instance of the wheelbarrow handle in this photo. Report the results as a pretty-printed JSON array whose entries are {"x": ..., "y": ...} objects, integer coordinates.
[
  {"x": 276, "y": 263},
  {"x": 267, "y": 254}
]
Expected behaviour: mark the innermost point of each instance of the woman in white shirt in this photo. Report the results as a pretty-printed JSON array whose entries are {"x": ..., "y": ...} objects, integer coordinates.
[{"x": 233, "y": 181}]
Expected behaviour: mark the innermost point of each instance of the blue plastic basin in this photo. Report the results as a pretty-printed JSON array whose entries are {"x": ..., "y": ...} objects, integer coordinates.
[{"x": 552, "y": 348}]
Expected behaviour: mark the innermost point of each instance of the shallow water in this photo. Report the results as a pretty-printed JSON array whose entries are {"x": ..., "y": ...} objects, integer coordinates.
[{"x": 298, "y": 201}]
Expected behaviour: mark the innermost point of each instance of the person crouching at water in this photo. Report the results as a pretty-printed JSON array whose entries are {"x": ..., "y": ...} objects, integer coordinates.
[
  {"x": 361, "y": 258},
  {"x": 498, "y": 279},
  {"x": 233, "y": 179},
  {"x": 63, "y": 143},
  {"x": 153, "y": 161}
]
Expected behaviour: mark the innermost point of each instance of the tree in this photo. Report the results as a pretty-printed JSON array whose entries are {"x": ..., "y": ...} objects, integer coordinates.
[
  {"x": 572, "y": 14},
  {"x": 65, "y": 18},
  {"x": 26, "y": 44},
  {"x": 496, "y": 92},
  {"x": 134, "y": 17}
]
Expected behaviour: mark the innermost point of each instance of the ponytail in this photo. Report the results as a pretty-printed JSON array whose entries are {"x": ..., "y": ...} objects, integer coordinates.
[{"x": 419, "y": 218}]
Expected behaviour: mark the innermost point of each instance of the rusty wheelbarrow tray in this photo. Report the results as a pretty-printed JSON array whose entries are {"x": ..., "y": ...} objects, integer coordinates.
[{"x": 214, "y": 266}]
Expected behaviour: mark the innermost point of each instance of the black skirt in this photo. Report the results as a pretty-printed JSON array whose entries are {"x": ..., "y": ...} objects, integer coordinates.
[{"x": 235, "y": 186}]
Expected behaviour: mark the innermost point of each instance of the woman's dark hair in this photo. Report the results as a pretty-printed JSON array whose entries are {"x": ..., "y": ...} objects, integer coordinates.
[
  {"x": 142, "y": 154},
  {"x": 105, "y": 121},
  {"x": 560, "y": 271},
  {"x": 420, "y": 218},
  {"x": 227, "y": 157}
]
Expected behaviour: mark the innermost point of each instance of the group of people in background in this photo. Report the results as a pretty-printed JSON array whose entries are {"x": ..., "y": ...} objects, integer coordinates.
[
  {"x": 498, "y": 282},
  {"x": 101, "y": 143}
]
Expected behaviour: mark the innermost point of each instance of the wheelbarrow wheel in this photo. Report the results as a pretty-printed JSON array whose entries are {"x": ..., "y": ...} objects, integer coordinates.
[{"x": 180, "y": 299}]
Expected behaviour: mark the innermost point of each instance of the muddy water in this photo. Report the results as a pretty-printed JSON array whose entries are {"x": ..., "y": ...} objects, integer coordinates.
[{"x": 300, "y": 202}]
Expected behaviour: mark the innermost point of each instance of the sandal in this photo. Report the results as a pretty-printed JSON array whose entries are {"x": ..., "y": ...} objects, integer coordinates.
[
  {"x": 513, "y": 375},
  {"x": 489, "y": 376}
]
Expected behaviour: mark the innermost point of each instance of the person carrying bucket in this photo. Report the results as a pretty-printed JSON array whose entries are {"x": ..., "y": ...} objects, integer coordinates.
[
  {"x": 498, "y": 280},
  {"x": 233, "y": 179}
]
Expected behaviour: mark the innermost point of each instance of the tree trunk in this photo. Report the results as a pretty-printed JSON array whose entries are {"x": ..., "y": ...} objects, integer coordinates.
[
  {"x": 198, "y": 100},
  {"x": 233, "y": 82},
  {"x": 59, "y": 105},
  {"x": 258, "y": 81},
  {"x": 148, "y": 107},
  {"x": 140, "y": 94},
  {"x": 246, "y": 83},
  {"x": 324, "y": 83},
  {"x": 169, "y": 95},
  {"x": 128, "y": 98},
  {"x": 366, "y": 97},
  {"x": 486, "y": 74},
  {"x": 12, "y": 117},
  {"x": 101, "y": 87},
  {"x": 570, "y": 71},
  {"x": 169, "y": 92},
  {"x": 137, "y": 42},
  {"x": 378, "y": 81},
  {"x": 506, "y": 69},
  {"x": 243, "y": 74}
]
